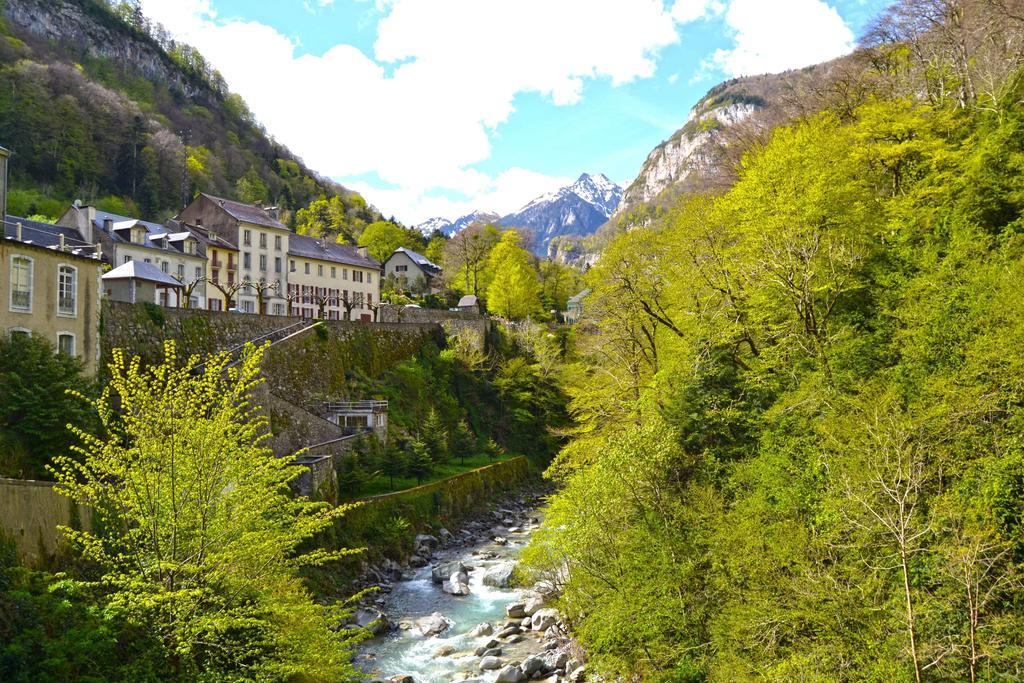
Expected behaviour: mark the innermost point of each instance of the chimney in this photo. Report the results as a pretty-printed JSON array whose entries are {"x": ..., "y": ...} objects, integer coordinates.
[
  {"x": 108, "y": 225},
  {"x": 199, "y": 222},
  {"x": 362, "y": 251},
  {"x": 4, "y": 154},
  {"x": 60, "y": 240},
  {"x": 271, "y": 211},
  {"x": 323, "y": 244},
  {"x": 17, "y": 231}
]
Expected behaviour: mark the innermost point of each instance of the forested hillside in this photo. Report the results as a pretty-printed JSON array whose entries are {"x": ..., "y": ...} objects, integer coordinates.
[
  {"x": 799, "y": 403},
  {"x": 98, "y": 104}
]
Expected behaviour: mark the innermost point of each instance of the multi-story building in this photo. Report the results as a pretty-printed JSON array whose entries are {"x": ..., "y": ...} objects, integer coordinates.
[
  {"x": 413, "y": 271},
  {"x": 172, "y": 249},
  {"x": 262, "y": 243},
  {"x": 223, "y": 283},
  {"x": 330, "y": 280},
  {"x": 52, "y": 287}
]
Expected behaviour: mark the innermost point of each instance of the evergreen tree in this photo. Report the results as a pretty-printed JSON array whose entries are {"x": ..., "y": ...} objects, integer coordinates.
[
  {"x": 394, "y": 463},
  {"x": 463, "y": 441},
  {"x": 434, "y": 436},
  {"x": 420, "y": 463}
]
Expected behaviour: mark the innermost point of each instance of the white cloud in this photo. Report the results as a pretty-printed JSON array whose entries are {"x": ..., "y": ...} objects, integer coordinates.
[
  {"x": 775, "y": 36},
  {"x": 685, "y": 11},
  {"x": 443, "y": 75}
]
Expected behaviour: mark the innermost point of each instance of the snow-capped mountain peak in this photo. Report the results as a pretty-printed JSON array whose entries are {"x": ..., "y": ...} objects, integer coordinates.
[{"x": 449, "y": 228}]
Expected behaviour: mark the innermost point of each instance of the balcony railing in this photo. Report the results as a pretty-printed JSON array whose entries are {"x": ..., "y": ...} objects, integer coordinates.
[{"x": 370, "y": 406}]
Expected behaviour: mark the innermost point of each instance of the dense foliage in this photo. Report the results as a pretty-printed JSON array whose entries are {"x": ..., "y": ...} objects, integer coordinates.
[
  {"x": 81, "y": 126},
  {"x": 199, "y": 541},
  {"x": 799, "y": 407},
  {"x": 36, "y": 406}
]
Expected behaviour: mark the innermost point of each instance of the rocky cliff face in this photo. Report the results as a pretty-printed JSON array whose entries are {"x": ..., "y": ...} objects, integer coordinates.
[{"x": 86, "y": 29}]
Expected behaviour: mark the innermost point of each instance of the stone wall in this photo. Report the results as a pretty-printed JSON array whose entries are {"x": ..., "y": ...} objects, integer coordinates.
[
  {"x": 468, "y": 325},
  {"x": 30, "y": 512}
]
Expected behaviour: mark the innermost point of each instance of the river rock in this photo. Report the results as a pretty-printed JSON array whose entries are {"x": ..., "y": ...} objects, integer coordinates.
[
  {"x": 554, "y": 659},
  {"x": 444, "y": 651},
  {"x": 458, "y": 584},
  {"x": 442, "y": 572},
  {"x": 500, "y": 540},
  {"x": 510, "y": 674},
  {"x": 578, "y": 674},
  {"x": 534, "y": 603},
  {"x": 404, "y": 678},
  {"x": 490, "y": 663},
  {"x": 425, "y": 541},
  {"x": 510, "y": 631},
  {"x": 516, "y": 610},
  {"x": 372, "y": 620},
  {"x": 532, "y": 665},
  {"x": 500, "y": 576},
  {"x": 544, "y": 619},
  {"x": 481, "y": 630},
  {"x": 417, "y": 561},
  {"x": 432, "y": 625}
]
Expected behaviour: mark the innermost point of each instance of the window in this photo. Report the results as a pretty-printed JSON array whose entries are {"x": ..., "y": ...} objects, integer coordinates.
[
  {"x": 277, "y": 264},
  {"x": 66, "y": 343},
  {"x": 334, "y": 272},
  {"x": 67, "y": 290},
  {"x": 263, "y": 240},
  {"x": 369, "y": 299},
  {"x": 215, "y": 304},
  {"x": 248, "y": 307},
  {"x": 320, "y": 271},
  {"x": 344, "y": 273},
  {"x": 291, "y": 265},
  {"x": 181, "y": 271},
  {"x": 148, "y": 260},
  {"x": 21, "y": 283},
  {"x": 369, "y": 278},
  {"x": 357, "y": 276},
  {"x": 307, "y": 267},
  {"x": 247, "y": 238},
  {"x": 164, "y": 266},
  {"x": 126, "y": 259},
  {"x": 278, "y": 309},
  {"x": 199, "y": 272},
  {"x": 263, "y": 261},
  {"x": 247, "y": 260},
  {"x": 19, "y": 332},
  {"x": 277, "y": 242},
  {"x": 401, "y": 269}
]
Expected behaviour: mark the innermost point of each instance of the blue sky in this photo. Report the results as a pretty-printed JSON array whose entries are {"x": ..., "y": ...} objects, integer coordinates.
[{"x": 436, "y": 107}]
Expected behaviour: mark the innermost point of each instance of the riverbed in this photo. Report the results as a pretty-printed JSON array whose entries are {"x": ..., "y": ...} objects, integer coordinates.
[{"x": 455, "y": 654}]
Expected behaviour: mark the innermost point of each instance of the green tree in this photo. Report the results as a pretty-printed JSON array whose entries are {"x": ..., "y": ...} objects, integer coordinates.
[
  {"x": 35, "y": 406},
  {"x": 434, "y": 436},
  {"x": 419, "y": 462},
  {"x": 394, "y": 463},
  {"x": 381, "y": 238},
  {"x": 200, "y": 540},
  {"x": 463, "y": 441},
  {"x": 514, "y": 289}
]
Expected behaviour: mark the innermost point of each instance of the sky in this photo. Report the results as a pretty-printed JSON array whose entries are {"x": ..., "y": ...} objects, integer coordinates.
[{"x": 439, "y": 107}]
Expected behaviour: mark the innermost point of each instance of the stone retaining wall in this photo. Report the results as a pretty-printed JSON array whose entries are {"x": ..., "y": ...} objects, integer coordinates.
[{"x": 30, "y": 512}]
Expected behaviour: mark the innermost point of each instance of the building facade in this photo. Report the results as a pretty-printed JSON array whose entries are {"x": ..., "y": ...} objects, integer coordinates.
[
  {"x": 51, "y": 287},
  {"x": 414, "y": 272},
  {"x": 332, "y": 281},
  {"x": 171, "y": 248},
  {"x": 262, "y": 243}
]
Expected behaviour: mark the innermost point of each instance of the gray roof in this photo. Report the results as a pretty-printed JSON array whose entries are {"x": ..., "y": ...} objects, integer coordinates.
[
  {"x": 156, "y": 235},
  {"x": 326, "y": 250},
  {"x": 246, "y": 212},
  {"x": 579, "y": 297},
  {"x": 47, "y": 235},
  {"x": 140, "y": 270},
  {"x": 419, "y": 259},
  {"x": 205, "y": 237}
]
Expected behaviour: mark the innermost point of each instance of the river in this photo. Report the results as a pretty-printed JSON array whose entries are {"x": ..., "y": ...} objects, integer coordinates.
[{"x": 453, "y": 654}]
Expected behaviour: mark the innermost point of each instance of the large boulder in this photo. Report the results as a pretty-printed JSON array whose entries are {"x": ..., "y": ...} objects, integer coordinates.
[
  {"x": 481, "y": 630},
  {"x": 442, "y": 572},
  {"x": 490, "y": 663},
  {"x": 534, "y": 603},
  {"x": 425, "y": 541},
  {"x": 433, "y": 625},
  {"x": 544, "y": 619},
  {"x": 516, "y": 610},
  {"x": 510, "y": 674},
  {"x": 554, "y": 659},
  {"x": 500, "y": 575},
  {"x": 372, "y": 620},
  {"x": 458, "y": 584},
  {"x": 532, "y": 665}
]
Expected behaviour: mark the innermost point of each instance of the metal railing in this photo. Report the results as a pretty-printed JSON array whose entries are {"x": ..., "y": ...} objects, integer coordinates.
[{"x": 367, "y": 406}]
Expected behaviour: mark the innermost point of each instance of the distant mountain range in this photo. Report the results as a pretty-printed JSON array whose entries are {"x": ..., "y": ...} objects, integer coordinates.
[{"x": 578, "y": 209}]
